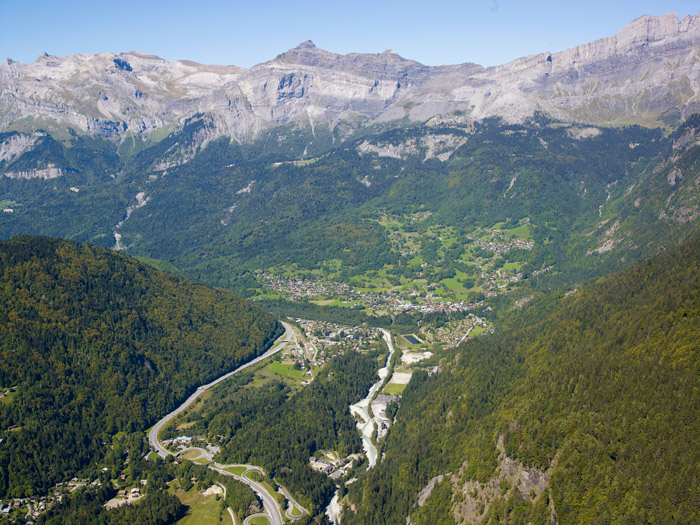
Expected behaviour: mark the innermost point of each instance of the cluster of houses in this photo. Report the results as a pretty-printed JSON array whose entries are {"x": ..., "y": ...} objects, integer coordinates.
[
  {"x": 394, "y": 301},
  {"x": 132, "y": 494},
  {"x": 331, "y": 334},
  {"x": 502, "y": 247},
  {"x": 181, "y": 443},
  {"x": 178, "y": 443},
  {"x": 323, "y": 340},
  {"x": 334, "y": 467},
  {"x": 407, "y": 301},
  {"x": 452, "y": 333},
  {"x": 36, "y": 505},
  {"x": 307, "y": 288}
]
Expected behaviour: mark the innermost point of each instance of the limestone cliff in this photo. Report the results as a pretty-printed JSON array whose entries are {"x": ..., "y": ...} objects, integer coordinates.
[{"x": 647, "y": 73}]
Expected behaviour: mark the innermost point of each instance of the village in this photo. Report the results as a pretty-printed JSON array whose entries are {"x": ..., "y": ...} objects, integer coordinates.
[
  {"x": 453, "y": 333},
  {"x": 481, "y": 264},
  {"x": 322, "y": 340},
  {"x": 393, "y": 301}
]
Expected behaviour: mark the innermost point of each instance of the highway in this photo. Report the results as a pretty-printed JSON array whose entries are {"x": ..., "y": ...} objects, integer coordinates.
[
  {"x": 268, "y": 501},
  {"x": 155, "y": 430}
]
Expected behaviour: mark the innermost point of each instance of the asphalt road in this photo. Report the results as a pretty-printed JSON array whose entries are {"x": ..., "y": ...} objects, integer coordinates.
[
  {"x": 155, "y": 430},
  {"x": 268, "y": 501},
  {"x": 293, "y": 502}
]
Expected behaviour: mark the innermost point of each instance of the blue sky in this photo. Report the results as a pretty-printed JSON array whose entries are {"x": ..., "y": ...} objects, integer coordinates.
[{"x": 488, "y": 32}]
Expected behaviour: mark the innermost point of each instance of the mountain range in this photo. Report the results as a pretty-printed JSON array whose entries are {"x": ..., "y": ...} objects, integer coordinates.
[{"x": 646, "y": 73}]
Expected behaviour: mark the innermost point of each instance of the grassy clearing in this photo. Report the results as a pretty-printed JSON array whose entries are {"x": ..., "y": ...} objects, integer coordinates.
[
  {"x": 447, "y": 242},
  {"x": 259, "y": 520},
  {"x": 270, "y": 295},
  {"x": 295, "y": 512},
  {"x": 323, "y": 302},
  {"x": 202, "y": 510},
  {"x": 334, "y": 302},
  {"x": 394, "y": 389},
  {"x": 308, "y": 162},
  {"x": 191, "y": 455},
  {"x": 238, "y": 471},
  {"x": 264, "y": 375},
  {"x": 453, "y": 285},
  {"x": 195, "y": 407},
  {"x": 292, "y": 271},
  {"x": 520, "y": 232},
  {"x": 513, "y": 266},
  {"x": 416, "y": 261},
  {"x": 385, "y": 221},
  {"x": 477, "y": 331},
  {"x": 159, "y": 264},
  {"x": 185, "y": 426},
  {"x": 344, "y": 304},
  {"x": 332, "y": 265},
  {"x": 286, "y": 370},
  {"x": 8, "y": 395}
]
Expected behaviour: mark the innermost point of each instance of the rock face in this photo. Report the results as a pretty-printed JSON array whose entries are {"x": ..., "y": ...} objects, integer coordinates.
[{"x": 646, "y": 73}]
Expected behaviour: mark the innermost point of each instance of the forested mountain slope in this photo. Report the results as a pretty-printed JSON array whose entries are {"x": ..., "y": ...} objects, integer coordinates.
[
  {"x": 229, "y": 209},
  {"x": 582, "y": 408},
  {"x": 94, "y": 343}
]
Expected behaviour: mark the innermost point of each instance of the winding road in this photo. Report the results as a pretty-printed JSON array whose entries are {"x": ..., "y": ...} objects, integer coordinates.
[
  {"x": 292, "y": 504},
  {"x": 269, "y": 502}
]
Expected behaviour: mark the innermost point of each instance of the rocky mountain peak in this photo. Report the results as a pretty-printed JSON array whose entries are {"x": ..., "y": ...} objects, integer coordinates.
[
  {"x": 305, "y": 53},
  {"x": 308, "y": 44}
]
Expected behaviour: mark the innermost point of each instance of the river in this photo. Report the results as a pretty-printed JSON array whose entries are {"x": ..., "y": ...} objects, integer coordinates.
[{"x": 365, "y": 425}]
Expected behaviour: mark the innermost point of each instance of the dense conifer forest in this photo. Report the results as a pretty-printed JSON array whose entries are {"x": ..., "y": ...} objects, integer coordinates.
[
  {"x": 94, "y": 343},
  {"x": 597, "y": 391}
]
